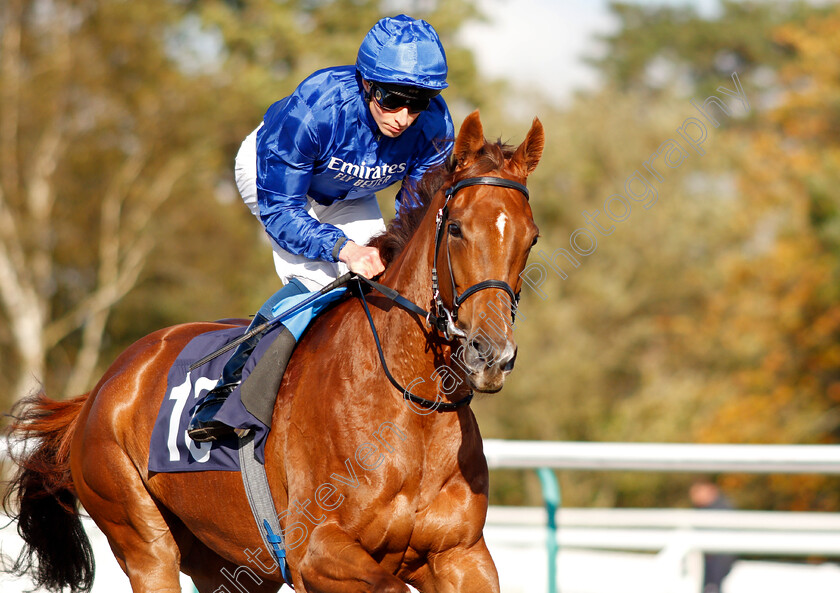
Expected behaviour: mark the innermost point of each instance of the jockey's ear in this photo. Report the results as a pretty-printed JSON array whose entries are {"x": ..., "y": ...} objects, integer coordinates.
[
  {"x": 469, "y": 141},
  {"x": 528, "y": 154}
]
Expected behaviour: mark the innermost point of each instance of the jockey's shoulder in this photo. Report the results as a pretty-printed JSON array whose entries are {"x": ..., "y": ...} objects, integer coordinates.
[{"x": 333, "y": 87}]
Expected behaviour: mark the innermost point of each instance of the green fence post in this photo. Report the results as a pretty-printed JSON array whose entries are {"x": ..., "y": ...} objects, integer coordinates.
[{"x": 551, "y": 497}]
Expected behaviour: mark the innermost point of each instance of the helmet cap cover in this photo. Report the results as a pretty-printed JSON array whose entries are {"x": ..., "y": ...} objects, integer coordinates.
[{"x": 404, "y": 51}]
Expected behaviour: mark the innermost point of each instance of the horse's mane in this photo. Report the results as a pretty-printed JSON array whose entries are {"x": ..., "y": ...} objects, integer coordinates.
[{"x": 491, "y": 157}]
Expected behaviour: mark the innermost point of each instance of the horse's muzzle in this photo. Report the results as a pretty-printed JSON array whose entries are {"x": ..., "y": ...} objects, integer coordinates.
[{"x": 489, "y": 361}]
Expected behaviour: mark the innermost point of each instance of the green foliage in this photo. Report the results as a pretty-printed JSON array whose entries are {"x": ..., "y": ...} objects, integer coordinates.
[
  {"x": 712, "y": 315},
  {"x": 120, "y": 122},
  {"x": 658, "y": 46}
]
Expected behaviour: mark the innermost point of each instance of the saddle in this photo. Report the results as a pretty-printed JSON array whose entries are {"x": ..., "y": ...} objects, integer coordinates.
[{"x": 250, "y": 405}]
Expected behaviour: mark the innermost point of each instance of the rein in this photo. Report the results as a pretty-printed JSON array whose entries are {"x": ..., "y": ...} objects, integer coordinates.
[
  {"x": 438, "y": 405},
  {"x": 445, "y": 319}
]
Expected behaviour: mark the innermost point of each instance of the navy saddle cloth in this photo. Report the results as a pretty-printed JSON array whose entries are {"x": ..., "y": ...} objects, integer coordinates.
[{"x": 249, "y": 406}]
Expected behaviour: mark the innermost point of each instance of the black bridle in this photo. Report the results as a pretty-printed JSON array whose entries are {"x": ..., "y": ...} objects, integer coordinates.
[{"x": 446, "y": 318}]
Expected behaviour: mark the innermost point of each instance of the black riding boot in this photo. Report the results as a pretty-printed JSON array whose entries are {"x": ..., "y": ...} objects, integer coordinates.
[{"x": 203, "y": 425}]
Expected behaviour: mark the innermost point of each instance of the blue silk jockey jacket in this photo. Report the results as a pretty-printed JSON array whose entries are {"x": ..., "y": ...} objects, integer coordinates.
[{"x": 322, "y": 142}]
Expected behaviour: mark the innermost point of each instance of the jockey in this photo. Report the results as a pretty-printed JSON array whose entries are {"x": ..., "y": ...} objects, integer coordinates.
[{"x": 310, "y": 171}]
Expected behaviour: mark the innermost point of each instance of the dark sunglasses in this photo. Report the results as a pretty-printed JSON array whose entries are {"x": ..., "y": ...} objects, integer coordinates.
[{"x": 389, "y": 100}]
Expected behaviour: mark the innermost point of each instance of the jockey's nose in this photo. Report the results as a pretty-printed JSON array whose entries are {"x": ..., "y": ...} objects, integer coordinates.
[{"x": 402, "y": 117}]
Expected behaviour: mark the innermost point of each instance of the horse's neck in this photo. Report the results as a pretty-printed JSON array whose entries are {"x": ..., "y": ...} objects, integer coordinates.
[{"x": 411, "y": 275}]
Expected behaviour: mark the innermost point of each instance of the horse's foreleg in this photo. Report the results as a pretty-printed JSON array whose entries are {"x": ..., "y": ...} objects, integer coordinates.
[
  {"x": 460, "y": 570},
  {"x": 336, "y": 563}
]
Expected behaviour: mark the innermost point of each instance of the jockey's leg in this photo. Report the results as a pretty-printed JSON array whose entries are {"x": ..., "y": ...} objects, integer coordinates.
[{"x": 203, "y": 425}]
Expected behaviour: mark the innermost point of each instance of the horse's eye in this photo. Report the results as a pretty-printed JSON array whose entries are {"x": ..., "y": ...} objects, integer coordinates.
[
  {"x": 534, "y": 242},
  {"x": 454, "y": 230}
]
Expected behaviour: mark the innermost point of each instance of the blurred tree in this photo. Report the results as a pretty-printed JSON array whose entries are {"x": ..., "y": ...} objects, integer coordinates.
[
  {"x": 660, "y": 46},
  {"x": 595, "y": 363},
  {"x": 88, "y": 155},
  {"x": 713, "y": 315},
  {"x": 775, "y": 326},
  {"x": 118, "y": 126}
]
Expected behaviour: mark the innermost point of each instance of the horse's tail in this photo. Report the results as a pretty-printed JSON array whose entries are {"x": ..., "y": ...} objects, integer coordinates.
[{"x": 57, "y": 552}]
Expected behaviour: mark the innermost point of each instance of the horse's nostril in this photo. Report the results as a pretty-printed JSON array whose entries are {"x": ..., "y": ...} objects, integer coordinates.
[
  {"x": 483, "y": 350},
  {"x": 508, "y": 366}
]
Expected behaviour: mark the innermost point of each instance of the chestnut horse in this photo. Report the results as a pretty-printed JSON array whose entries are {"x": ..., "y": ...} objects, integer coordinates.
[{"x": 376, "y": 491}]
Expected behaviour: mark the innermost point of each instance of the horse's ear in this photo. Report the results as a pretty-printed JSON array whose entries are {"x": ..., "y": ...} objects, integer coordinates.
[
  {"x": 470, "y": 139},
  {"x": 527, "y": 155}
]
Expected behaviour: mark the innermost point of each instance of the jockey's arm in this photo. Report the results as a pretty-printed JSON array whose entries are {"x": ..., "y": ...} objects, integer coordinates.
[
  {"x": 284, "y": 175},
  {"x": 291, "y": 227}
]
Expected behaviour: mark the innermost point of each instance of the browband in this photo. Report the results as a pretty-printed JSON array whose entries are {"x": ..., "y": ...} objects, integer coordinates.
[{"x": 497, "y": 181}]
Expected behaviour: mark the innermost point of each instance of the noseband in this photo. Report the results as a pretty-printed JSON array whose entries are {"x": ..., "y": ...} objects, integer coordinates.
[{"x": 446, "y": 318}]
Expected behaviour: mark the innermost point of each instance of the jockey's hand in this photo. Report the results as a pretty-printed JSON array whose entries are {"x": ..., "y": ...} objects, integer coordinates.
[{"x": 362, "y": 260}]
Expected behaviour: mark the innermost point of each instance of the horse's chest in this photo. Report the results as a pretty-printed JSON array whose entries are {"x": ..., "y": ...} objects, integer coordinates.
[
  {"x": 390, "y": 485},
  {"x": 427, "y": 515}
]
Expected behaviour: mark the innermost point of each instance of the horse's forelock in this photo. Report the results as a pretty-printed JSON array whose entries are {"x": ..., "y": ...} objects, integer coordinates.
[{"x": 491, "y": 157}]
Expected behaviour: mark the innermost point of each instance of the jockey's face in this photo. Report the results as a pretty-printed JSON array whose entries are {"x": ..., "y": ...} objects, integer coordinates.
[{"x": 391, "y": 123}]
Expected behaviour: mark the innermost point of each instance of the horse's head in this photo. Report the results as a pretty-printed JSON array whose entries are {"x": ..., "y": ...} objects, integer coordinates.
[{"x": 485, "y": 232}]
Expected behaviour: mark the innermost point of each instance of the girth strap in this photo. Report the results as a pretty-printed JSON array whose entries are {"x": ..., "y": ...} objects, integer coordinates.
[{"x": 262, "y": 504}]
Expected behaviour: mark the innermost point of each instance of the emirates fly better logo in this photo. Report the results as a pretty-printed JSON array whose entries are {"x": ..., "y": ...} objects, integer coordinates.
[{"x": 364, "y": 176}]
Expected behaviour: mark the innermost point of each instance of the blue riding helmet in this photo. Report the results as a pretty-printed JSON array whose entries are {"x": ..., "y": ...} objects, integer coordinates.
[{"x": 404, "y": 51}]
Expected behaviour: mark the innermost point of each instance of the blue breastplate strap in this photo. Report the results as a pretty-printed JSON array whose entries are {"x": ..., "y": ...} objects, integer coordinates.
[{"x": 276, "y": 542}]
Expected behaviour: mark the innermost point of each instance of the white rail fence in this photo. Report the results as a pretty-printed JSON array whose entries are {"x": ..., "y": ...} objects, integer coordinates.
[
  {"x": 758, "y": 533},
  {"x": 660, "y": 550},
  {"x": 665, "y": 457}
]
